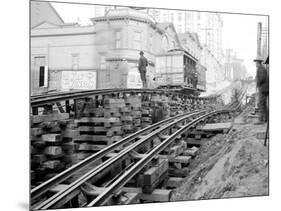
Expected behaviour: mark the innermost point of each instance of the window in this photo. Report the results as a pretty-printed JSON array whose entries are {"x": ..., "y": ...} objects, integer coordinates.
[
  {"x": 102, "y": 62},
  {"x": 172, "y": 17},
  {"x": 179, "y": 28},
  {"x": 117, "y": 39},
  {"x": 150, "y": 42},
  {"x": 43, "y": 76},
  {"x": 165, "y": 43},
  {"x": 137, "y": 40},
  {"x": 179, "y": 17},
  {"x": 75, "y": 61},
  {"x": 40, "y": 66}
]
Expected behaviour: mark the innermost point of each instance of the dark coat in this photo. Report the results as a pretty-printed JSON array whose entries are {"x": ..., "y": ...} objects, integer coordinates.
[
  {"x": 262, "y": 80},
  {"x": 143, "y": 63}
]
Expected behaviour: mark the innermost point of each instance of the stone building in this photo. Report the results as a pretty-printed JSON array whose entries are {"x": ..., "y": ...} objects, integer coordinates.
[{"x": 69, "y": 56}]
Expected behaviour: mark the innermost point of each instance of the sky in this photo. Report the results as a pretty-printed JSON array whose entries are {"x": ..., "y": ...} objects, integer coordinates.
[{"x": 239, "y": 31}]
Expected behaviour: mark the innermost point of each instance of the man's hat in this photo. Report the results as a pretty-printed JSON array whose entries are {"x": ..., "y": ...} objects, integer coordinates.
[
  {"x": 267, "y": 60},
  {"x": 258, "y": 59},
  {"x": 141, "y": 52}
]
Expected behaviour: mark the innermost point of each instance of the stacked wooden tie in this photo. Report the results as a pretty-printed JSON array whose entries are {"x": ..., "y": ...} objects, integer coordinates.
[{"x": 51, "y": 145}]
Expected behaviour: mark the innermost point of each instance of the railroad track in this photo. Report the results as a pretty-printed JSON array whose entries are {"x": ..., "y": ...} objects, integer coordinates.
[
  {"x": 41, "y": 100},
  {"x": 44, "y": 187},
  {"x": 237, "y": 105},
  {"x": 181, "y": 123}
]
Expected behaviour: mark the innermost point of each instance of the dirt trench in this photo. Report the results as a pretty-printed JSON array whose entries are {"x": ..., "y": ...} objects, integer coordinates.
[{"x": 229, "y": 165}]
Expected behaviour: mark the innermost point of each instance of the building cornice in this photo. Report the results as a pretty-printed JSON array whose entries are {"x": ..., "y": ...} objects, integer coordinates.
[
  {"x": 127, "y": 59},
  {"x": 63, "y": 34}
]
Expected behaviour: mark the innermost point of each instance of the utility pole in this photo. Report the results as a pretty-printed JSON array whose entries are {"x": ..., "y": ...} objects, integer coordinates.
[{"x": 259, "y": 30}]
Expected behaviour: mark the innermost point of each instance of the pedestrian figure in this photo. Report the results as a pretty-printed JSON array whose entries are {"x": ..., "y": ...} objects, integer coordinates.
[
  {"x": 143, "y": 63},
  {"x": 263, "y": 90}
]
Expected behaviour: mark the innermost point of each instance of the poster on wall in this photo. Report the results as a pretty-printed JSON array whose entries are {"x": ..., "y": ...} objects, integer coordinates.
[{"x": 71, "y": 80}]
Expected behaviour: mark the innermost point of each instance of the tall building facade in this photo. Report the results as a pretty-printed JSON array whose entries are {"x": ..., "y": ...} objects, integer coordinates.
[{"x": 234, "y": 67}]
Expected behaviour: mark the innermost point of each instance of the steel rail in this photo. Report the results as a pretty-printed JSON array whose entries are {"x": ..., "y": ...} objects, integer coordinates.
[
  {"x": 41, "y": 96},
  {"x": 121, "y": 181},
  {"x": 44, "y": 187},
  {"x": 55, "y": 200},
  {"x": 242, "y": 94},
  {"x": 38, "y": 101}
]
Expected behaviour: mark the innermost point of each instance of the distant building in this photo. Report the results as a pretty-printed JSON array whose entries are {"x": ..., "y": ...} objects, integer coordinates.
[
  {"x": 191, "y": 43},
  {"x": 229, "y": 57},
  {"x": 235, "y": 68},
  {"x": 239, "y": 69},
  {"x": 43, "y": 11},
  {"x": 208, "y": 27}
]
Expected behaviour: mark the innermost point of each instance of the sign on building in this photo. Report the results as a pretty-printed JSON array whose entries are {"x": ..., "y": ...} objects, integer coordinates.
[{"x": 78, "y": 80}]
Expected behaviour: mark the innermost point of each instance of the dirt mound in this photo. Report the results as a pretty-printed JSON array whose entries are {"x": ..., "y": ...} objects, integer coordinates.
[{"x": 231, "y": 165}]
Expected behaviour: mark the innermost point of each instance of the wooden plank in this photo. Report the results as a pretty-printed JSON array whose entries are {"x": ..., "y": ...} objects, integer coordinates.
[
  {"x": 53, "y": 150},
  {"x": 174, "y": 182},
  {"x": 52, "y": 164},
  {"x": 157, "y": 195},
  {"x": 217, "y": 126},
  {"x": 69, "y": 133},
  {"x": 58, "y": 188},
  {"x": 83, "y": 155},
  {"x": 51, "y": 137},
  {"x": 73, "y": 158},
  {"x": 126, "y": 118},
  {"x": 151, "y": 177},
  {"x": 97, "y": 138},
  {"x": 36, "y": 131},
  {"x": 125, "y": 109},
  {"x": 99, "y": 129},
  {"x": 146, "y": 119},
  {"x": 115, "y": 105},
  {"x": 90, "y": 147},
  {"x": 178, "y": 149},
  {"x": 67, "y": 198},
  {"x": 175, "y": 172},
  {"x": 191, "y": 151},
  {"x": 127, "y": 127},
  {"x": 180, "y": 159},
  {"x": 97, "y": 120},
  {"x": 39, "y": 158},
  {"x": 49, "y": 117},
  {"x": 177, "y": 159},
  {"x": 129, "y": 198},
  {"x": 69, "y": 146}
]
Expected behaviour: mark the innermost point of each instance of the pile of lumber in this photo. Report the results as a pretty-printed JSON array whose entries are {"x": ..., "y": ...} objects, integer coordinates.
[
  {"x": 105, "y": 124},
  {"x": 51, "y": 145},
  {"x": 146, "y": 114}
]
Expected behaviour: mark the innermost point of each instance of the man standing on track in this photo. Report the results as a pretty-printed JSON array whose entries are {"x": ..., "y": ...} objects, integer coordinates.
[{"x": 143, "y": 63}]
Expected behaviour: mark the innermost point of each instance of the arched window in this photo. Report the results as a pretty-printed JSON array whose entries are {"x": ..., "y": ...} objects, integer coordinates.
[{"x": 165, "y": 44}]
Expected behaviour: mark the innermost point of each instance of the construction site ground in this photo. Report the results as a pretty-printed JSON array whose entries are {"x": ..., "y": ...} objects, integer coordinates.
[{"x": 229, "y": 165}]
